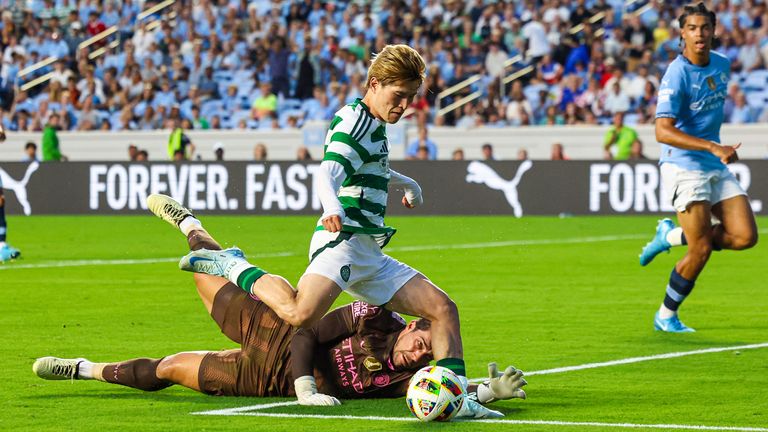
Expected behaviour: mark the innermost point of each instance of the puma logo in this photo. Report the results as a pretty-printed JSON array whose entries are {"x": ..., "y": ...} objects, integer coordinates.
[
  {"x": 478, "y": 172},
  {"x": 19, "y": 187}
]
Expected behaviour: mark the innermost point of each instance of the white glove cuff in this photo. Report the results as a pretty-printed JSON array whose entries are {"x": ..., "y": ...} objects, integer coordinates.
[
  {"x": 485, "y": 394},
  {"x": 305, "y": 384}
]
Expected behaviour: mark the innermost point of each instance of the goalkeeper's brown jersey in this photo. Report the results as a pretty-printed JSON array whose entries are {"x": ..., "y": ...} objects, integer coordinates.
[{"x": 350, "y": 349}]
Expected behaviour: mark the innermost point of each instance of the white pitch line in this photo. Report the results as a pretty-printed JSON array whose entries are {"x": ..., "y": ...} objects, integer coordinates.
[
  {"x": 82, "y": 263},
  {"x": 502, "y": 421},
  {"x": 638, "y": 360}
]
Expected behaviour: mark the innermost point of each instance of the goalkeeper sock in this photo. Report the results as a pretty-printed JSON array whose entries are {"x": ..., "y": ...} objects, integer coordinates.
[
  {"x": 676, "y": 237},
  {"x": 190, "y": 223},
  {"x": 199, "y": 238},
  {"x": 456, "y": 365},
  {"x": 138, "y": 373},
  {"x": 245, "y": 277}
]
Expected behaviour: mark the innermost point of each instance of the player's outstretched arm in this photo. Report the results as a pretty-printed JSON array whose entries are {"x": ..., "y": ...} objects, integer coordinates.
[{"x": 667, "y": 133}]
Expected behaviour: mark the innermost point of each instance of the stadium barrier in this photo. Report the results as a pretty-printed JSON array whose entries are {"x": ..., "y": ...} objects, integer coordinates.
[
  {"x": 580, "y": 142},
  {"x": 281, "y": 188}
]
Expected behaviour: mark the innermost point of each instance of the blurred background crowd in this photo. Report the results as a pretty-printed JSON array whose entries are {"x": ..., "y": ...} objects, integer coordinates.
[{"x": 265, "y": 65}]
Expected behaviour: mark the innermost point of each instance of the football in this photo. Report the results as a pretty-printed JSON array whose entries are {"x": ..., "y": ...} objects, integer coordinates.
[{"x": 434, "y": 394}]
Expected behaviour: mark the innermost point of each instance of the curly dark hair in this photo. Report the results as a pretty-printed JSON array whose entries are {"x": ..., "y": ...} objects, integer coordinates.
[{"x": 698, "y": 9}]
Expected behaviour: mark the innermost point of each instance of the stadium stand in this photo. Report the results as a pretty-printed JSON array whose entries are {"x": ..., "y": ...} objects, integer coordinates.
[{"x": 104, "y": 65}]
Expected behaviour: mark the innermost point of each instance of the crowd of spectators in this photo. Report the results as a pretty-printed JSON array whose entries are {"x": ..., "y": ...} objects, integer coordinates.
[{"x": 264, "y": 65}]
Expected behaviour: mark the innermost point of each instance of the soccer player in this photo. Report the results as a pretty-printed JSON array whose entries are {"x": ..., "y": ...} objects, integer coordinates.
[
  {"x": 345, "y": 251},
  {"x": 693, "y": 165},
  {"x": 356, "y": 351},
  {"x": 7, "y": 252}
]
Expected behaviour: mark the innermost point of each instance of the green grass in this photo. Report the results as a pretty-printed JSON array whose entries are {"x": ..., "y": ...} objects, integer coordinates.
[{"x": 536, "y": 306}]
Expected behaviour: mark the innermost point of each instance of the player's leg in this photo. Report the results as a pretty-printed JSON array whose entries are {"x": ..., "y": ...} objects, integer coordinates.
[
  {"x": 141, "y": 373},
  {"x": 737, "y": 230},
  {"x": 6, "y": 251},
  {"x": 316, "y": 291},
  {"x": 696, "y": 223}
]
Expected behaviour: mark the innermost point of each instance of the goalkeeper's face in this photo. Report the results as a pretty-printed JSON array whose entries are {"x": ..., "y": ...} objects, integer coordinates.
[{"x": 413, "y": 348}]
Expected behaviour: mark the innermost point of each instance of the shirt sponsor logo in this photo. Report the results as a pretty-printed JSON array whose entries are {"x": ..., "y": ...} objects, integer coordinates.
[
  {"x": 713, "y": 101},
  {"x": 344, "y": 358}
]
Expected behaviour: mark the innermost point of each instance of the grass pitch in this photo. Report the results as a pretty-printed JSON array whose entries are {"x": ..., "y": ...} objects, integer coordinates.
[{"x": 539, "y": 293}]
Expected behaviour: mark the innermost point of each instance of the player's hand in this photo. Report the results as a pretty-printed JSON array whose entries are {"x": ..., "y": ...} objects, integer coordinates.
[
  {"x": 332, "y": 223},
  {"x": 2, "y": 133},
  {"x": 507, "y": 385},
  {"x": 306, "y": 393},
  {"x": 473, "y": 409},
  {"x": 727, "y": 154}
]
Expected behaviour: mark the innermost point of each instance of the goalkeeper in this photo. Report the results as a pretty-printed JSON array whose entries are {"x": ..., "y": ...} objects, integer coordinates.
[{"x": 355, "y": 351}]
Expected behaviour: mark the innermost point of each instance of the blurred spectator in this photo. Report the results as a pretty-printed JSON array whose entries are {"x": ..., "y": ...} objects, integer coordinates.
[
  {"x": 412, "y": 152},
  {"x": 30, "y": 152},
  {"x": 51, "y": 150},
  {"x": 303, "y": 154},
  {"x": 742, "y": 112},
  {"x": 458, "y": 154},
  {"x": 618, "y": 140},
  {"x": 213, "y": 53},
  {"x": 422, "y": 154},
  {"x": 487, "y": 150},
  {"x": 522, "y": 154},
  {"x": 557, "y": 152},
  {"x": 260, "y": 152},
  {"x": 142, "y": 156},
  {"x": 180, "y": 147},
  {"x": 265, "y": 104},
  {"x": 218, "y": 150},
  {"x": 637, "y": 151},
  {"x": 133, "y": 152}
]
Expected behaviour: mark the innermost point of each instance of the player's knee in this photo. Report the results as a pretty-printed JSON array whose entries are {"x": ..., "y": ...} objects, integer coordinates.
[
  {"x": 744, "y": 241},
  {"x": 2, "y": 200},
  {"x": 168, "y": 368}
]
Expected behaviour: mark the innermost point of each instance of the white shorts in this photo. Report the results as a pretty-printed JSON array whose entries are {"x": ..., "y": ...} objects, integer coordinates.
[
  {"x": 358, "y": 266},
  {"x": 686, "y": 186}
]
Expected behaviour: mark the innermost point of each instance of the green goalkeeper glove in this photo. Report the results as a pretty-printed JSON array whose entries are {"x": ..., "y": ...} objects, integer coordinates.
[{"x": 500, "y": 386}]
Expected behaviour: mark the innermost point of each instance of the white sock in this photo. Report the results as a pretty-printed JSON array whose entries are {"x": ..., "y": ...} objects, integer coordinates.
[
  {"x": 85, "y": 370},
  {"x": 675, "y": 236},
  {"x": 237, "y": 270},
  {"x": 665, "y": 312},
  {"x": 190, "y": 223}
]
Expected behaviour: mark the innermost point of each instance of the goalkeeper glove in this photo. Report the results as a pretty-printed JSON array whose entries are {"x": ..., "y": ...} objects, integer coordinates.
[
  {"x": 306, "y": 393},
  {"x": 500, "y": 386}
]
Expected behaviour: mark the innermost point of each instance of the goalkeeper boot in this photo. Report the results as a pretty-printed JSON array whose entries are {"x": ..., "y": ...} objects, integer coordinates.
[
  {"x": 659, "y": 242},
  {"x": 168, "y": 209},
  {"x": 8, "y": 253},
  {"x": 54, "y": 368},
  {"x": 670, "y": 325},
  {"x": 213, "y": 262}
]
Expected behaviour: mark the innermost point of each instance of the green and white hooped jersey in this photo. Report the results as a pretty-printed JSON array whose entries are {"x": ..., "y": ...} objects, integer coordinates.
[{"x": 358, "y": 141}]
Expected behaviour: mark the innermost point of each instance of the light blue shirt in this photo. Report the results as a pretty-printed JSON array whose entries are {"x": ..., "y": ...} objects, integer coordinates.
[{"x": 694, "y": 96}]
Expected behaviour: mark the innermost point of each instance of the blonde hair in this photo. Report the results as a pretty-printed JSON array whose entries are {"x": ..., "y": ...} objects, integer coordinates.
[{"x": 397, "y": 64}]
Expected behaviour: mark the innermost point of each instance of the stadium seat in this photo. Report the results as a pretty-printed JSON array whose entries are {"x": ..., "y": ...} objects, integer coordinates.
[{"x": 756, "y": 80}]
